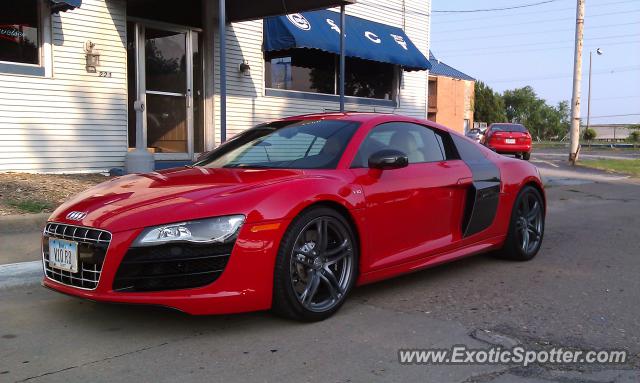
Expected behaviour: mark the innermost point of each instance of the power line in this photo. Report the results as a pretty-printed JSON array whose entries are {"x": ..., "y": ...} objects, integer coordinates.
[
  {"x": 409, "y": 11},
  {"x": 458, "y": 21},
  {"x": 486, "y": 48},
  {"x": 476, "y": 37},
  {"x": 494, "y": 9},
  {"x": 538, "y": 50},
  {"x": 615, "y": 115},
  {"x": 616, "y": 98},
  {"x": 564, "y": 75}
]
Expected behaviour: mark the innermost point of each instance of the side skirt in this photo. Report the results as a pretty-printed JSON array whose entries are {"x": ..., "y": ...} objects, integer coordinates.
[{"x": 486, "y": 245}]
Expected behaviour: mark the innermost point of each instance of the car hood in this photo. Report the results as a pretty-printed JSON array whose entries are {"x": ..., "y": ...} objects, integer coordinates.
[{"x": 173, "y": 195}]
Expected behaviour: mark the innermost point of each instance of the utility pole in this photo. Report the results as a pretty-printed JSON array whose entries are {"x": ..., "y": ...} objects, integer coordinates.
[
  {"x": 598, "y": 52},
  {"x": 577, "y": 77}
]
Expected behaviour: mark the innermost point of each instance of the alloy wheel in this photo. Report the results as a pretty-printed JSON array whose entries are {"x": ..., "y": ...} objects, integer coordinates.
[
  {"x": 321, "y": 264},
  {"x": 529, "y": 223}
]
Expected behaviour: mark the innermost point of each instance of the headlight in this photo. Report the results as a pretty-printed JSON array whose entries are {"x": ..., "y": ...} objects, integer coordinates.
[{"x": 212, "y": 230}]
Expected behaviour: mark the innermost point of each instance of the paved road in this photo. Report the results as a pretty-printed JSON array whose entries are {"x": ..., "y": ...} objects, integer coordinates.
[
  {"x": 581, "y": 292},
  {"x": 589, "y": 153}
]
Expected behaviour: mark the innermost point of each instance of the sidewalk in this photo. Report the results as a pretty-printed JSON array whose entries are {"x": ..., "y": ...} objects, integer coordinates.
[{"x": 20, "y": 237}]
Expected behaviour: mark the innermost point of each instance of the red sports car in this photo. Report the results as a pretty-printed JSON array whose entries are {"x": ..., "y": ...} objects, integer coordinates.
[
  {"x": 509, "y": 139},
  {"x": 291, "y": 215}
]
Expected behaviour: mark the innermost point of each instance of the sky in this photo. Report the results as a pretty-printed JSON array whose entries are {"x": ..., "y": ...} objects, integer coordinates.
[{"x": 535, "y": 46}]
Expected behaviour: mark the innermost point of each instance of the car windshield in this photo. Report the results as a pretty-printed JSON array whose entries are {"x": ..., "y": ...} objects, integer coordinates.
[
  {"x": 508, "y": 128},
  {"x": 301, "y": 144}
]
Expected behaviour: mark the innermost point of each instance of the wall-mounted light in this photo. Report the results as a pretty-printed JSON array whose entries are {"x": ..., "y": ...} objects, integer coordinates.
[
  {"x": 92, "y": 57},
  {"x": 244, "y": 68}
]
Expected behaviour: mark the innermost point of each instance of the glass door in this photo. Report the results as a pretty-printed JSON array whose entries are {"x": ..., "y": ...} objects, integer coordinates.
[
  {"x": 169, "y": 67},
  {"x": 167, "y": 90}
]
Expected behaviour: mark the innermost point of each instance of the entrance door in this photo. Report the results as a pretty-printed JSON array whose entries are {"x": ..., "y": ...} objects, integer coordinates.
[{"x": 169, "y": 67}]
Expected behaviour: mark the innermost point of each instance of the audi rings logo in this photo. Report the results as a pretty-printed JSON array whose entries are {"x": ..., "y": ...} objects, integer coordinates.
[
  {"x": 299, "y": 21},
  {"x": 76, "y": 215}
]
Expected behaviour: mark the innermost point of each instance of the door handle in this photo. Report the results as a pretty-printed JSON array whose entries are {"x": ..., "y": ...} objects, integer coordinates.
[{"x": 188, "y": 98}]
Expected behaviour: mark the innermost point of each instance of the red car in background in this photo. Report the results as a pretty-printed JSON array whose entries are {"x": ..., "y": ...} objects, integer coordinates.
[
  {"x": 508, "y": 138},
  {"x": 291, "y": 215}
]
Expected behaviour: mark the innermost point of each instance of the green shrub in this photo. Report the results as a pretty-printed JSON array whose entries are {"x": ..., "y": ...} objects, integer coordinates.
[
  {"x": 634, "y": 136},
  {"x": 589, "y": 134}
]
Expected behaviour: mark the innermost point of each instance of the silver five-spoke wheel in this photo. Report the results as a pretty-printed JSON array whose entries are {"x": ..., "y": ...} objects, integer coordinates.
[{"x": 321, "y": 264}]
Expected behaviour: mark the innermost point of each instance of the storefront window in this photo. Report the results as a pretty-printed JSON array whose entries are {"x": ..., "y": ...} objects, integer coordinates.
[
  {"x": 369, "y": 79},
  {"x": 302, "y": 71},
  {"x": 20, "y": 32},
  {"x": 317, "y": 72}
]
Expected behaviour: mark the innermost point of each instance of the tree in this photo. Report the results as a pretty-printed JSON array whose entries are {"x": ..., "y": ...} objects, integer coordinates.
[
  {"x": 544, "y": 121},
  {"x": 488, "y": 105},
  {"x": 589, "y": 134}
]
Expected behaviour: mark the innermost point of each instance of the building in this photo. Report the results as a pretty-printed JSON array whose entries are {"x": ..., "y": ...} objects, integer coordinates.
[
  {"x": 611, "y": 132},
  {"x": 451, "y": 96},
  {"x": 84, "y": 83}
]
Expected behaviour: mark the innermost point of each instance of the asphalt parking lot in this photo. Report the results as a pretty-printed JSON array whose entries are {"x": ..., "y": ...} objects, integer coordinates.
[{"x": 580, "y": 292}]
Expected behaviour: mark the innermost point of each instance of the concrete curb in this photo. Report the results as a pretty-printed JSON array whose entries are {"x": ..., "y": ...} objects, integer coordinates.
[
  {"x": 23, "y": 223},
  {"x": 20, "y": 274}
]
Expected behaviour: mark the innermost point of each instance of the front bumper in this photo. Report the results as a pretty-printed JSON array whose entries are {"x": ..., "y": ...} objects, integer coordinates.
[{"x": 245, "y": 284}]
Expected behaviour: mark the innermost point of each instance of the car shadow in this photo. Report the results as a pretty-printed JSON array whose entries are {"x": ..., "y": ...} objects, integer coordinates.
[{"x": 123, "y": 318}]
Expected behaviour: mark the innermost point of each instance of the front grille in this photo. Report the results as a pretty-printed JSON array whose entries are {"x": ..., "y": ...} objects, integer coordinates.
[
  {"x": 92, "y": 249},
  {"x": 171, "y": 267}
]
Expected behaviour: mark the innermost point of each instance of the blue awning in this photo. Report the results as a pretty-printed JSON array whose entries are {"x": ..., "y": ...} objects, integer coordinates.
[
  {"x": 64, "y": 5},
  {"x": 364, "y": 39}
]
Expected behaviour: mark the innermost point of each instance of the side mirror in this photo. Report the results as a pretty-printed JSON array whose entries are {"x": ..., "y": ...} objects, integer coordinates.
[{"x": 388, "y": 159}]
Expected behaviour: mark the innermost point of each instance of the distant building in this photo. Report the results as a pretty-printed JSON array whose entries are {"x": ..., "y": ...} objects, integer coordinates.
[
  {"x": 451, "y": 96},
  {"x": 611, "y": 132}
]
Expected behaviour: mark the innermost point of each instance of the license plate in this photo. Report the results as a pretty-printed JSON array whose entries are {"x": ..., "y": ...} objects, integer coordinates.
[
  {"x": 63, "y": 255},
  {"x": 510, "y": 141}
]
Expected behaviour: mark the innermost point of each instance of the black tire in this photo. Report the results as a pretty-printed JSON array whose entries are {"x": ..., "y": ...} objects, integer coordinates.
[
  {"x": 304, "y": 272},
  {"x": 513, "y": 247},
  {"x": 526, "y": 156}
]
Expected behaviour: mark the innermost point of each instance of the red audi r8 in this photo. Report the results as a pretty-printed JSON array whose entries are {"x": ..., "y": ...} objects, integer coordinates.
[
  {"x": 291, "y": 215},
  {"x": 509, "y": 139}
]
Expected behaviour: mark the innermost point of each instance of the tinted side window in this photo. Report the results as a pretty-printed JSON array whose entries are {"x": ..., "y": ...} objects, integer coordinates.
[
  {"x": 419, "y": 143},
  {"x": 468, "y": 150}
]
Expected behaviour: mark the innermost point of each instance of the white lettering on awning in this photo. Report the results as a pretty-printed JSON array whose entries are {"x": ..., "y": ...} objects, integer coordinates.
[
  {"x": 373, "y": 37},
  {"x": 400, "y": 41},
  {"x": 299, "y": 21},
  {"x": 333, "y": 25}
]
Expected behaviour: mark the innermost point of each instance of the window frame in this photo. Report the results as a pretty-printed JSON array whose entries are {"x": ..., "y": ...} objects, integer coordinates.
[
  {"x": 303, "y": 95},
  {"x": 43, "y": 68},
  {"x": 445, "y": 143}
]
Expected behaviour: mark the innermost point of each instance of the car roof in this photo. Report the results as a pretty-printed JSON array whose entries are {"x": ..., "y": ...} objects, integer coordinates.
[
  {"x": 353, "y": 116},
  {"x": 374, "y": 117},
  {"x": 366, "y": 117}
]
